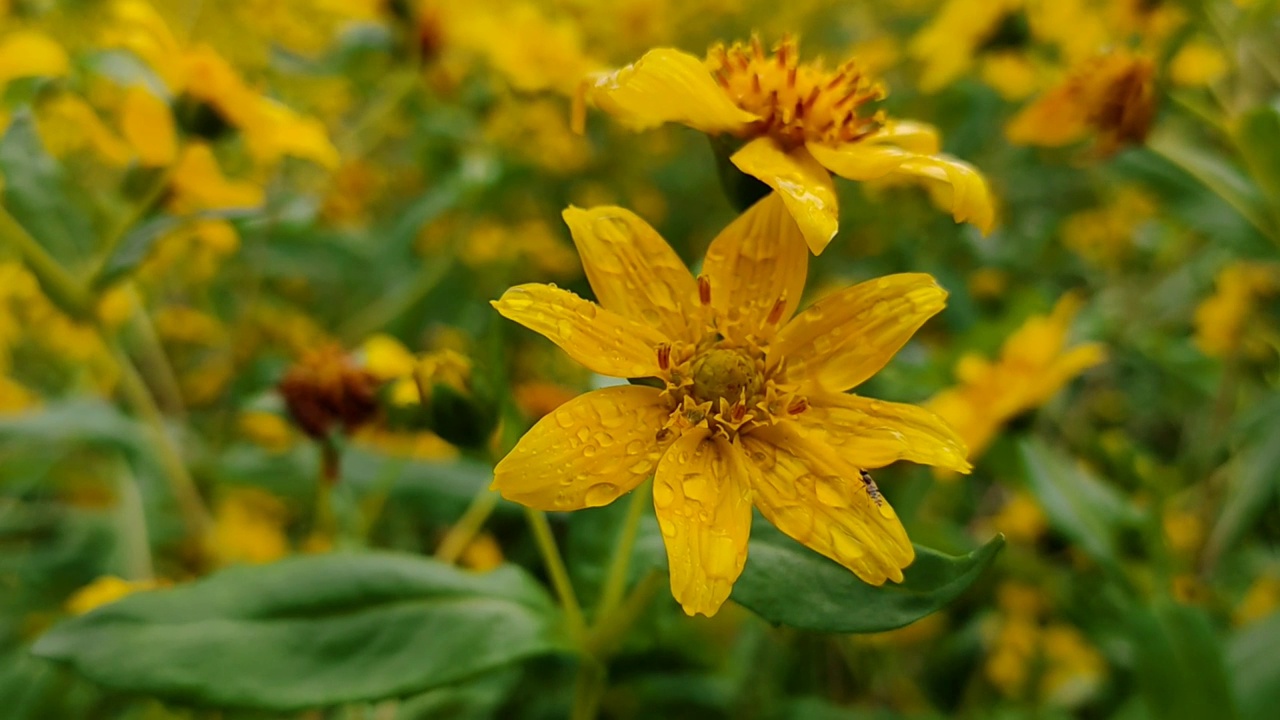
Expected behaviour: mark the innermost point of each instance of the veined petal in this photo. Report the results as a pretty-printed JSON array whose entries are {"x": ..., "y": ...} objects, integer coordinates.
[
  {"x": 804, "y": 185},
  {"x": 603, "y": 341},
  {"x": 846, "y": 337},
  {"x": 587, "y": 452},
  {"x": 702, "y": 499},
  {"x": 664, "y": 85},
  {"x": 756, "y": 267},
  {"x": 873, "y": 433},
  {"x": 633, "y": 271},
  {"x": 958, "y": 186},
  {"x": 811, "y": 494}
]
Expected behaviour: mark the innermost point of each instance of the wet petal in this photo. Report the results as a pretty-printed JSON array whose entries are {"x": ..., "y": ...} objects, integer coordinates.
[
  {"x": 815, "y": 497},
  {"x": 873, "y": 433},
  {"x": 633, "y": 271},
  {"x": 665, "y": 85},
  {"x": 804, "y": 185},
  {"x": 603, "y": 341},
  {"x": 846, "y": 337},
  {"x": 757, "y": 262},
  {"x": 587, "y": 452},
  {"x": 860, "y": 161},
  {"x": 959, "y": 187},
  {"x": 703, "y": 503},
  {"x": 916, "y": 137}
]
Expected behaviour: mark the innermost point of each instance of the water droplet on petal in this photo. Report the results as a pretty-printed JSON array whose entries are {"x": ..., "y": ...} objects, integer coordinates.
[{"x": 602, "y": 494}]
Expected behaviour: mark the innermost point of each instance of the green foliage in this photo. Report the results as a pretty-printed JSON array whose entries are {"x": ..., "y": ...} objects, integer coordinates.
[{"x": 312, "y": 632}]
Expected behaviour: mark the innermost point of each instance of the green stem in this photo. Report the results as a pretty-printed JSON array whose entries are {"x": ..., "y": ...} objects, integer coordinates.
[
  {"x": 559, "y": 575},
  {"x": 468, "y": 526},
  {"x": 148, "y": 202},
  {"x": 155, "y": 361},
  {"x": 609, "y": 630},
  {"x": 131, "y": 524},
  {"x": 167, "y": 453},
  {"x": 57, "y": 283},
  {"x": 616, "y": 578},
  {"x": 588, "y": 689}
]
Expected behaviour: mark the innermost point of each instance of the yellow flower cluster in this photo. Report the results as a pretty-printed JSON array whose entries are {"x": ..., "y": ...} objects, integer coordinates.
[{"x": 1226, "y": 322}]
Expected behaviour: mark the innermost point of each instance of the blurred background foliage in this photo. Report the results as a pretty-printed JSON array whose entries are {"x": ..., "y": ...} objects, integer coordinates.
[{"x": 214, "y": 210}]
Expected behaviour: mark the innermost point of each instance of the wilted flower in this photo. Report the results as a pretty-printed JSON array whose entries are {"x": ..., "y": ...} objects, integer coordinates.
[
  {"x": 1034, "y": 364},
  {"x": 749, "y": 407},
  {"x": 326, "y": 390},
  {"x": 1110, "y": 96},
  {"x": 800, "y": 123}
]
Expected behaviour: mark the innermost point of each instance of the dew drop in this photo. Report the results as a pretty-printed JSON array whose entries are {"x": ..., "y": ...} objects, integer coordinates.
[
  {"x": 663, "y": 495},
  {"x": 602, "y": 494}
]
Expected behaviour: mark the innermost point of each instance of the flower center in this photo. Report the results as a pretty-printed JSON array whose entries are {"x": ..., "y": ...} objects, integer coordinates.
[
  {"x": 725, "y": 375},
  {"x": 796, "y": 102}
]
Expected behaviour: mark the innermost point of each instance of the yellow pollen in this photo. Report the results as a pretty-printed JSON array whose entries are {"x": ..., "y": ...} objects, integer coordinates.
[
  {"x": 796, "y": 102},
  {"x": 728, "y": 375}
]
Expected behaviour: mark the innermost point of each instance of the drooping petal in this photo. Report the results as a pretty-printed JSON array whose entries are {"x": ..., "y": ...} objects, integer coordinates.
[
  {"x": 587, "y": 452},
  {"x": 913, "y": 151},
  {"x": 756, "y": 264},
  {"x": 957, "y": 186},
  {"x": 665, "y": 85},
  {"x": 873, "y": 433},
  {"x": 804, "y": 185},
  {"x": 633, "y": 271},
  {"x": 811, "y": 494},
  {"x": 846, "y": 337},
  {"x": 702, "y": 498},
  {"x": 603, "y": 341}
]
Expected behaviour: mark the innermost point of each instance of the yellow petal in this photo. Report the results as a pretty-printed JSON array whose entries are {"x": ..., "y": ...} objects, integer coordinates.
[
  {"x": 916, "y": 137},
  {"x": 664, "y": 85},
  {"x": 805, "y": 187},
  {"x": 811, "y": 494},
  {"x": 1054, "y": 119},
  {"x": 846, "y": 337},
  {"x": 29, "y": 53},
  {"x": 874, "y": 433},
  {"x": 603, "y": 341},
  {"x": 587, "y": 452},
  {"x": 860, "y": 161},
  {"x": 757, "y": 262},
  {"x": 633, "y": 271},
  {"x": 961, "y": 188},
  {"x": 703, "y": 503},
  {"x": 147, "y": 124}
]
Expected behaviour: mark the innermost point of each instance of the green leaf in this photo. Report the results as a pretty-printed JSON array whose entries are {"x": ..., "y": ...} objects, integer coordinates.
[
  {"x": 136, "y": 244},
  {"x": 36, "y": 191},
  {"x": 1179, "y": 663},
  {"x": 1258, "y": 135},
  {"x": 1256, "y": 480},
  {"x": 1078, "y": 504},
  {"x": 312, "y": 632},
  {"x": 788, "y": 584},
  {"x": 1252, "y": 667}
]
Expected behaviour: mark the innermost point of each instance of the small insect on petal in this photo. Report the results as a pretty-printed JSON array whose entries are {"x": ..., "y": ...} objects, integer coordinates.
[
  {"x": 704, "y": 290},
  {"x": 872, "y": 490}
]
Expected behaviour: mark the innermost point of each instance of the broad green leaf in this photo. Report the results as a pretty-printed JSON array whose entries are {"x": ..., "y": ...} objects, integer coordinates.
[
  {"x": 1078, "y": 504},
  {"x": 787, "y": 584},
  {"x": 1252, "y": 667},
  {"x": 1214, "y": 171},
  {"x": 77, "y": 420},
  {"x": 1179, "y": 663},
  {"x": 311, "y": 632}
]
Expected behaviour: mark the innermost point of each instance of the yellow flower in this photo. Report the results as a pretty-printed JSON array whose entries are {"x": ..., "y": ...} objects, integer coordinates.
[
  {"x": 248, "y": 527},
  {"x": 1104, "y": 236},
  {"x": 750, "y": 406},
  {"x": 67, "y": 125},
  {"x": 1021, "y": 518},
  {"x": 267, "y": 429},
  {"x": 799, "y": 121},
  {"x": 1033, "y": 365},
  {"x": 31, "y": 53},
  {"x": 104, "y": 590},
  {"x": 1198, "y": 63},
  {"x": 14, "y": 398},
  {"x": 951, "y": 41},
  {"x": 1222, "y": 320},
  {"x": 1110, "y": 95},
  {"x": 147, "y": 124}
]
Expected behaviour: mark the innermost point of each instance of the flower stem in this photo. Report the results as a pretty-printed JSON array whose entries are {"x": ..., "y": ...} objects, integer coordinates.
[
  {"x": 588, "y": 688},
  {"x": 468, "y": 526},
  {"x": 559, "y": 575},
  {"x": 180, "y": 482},
  {"x": 616, "y": 579}
]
